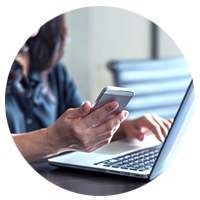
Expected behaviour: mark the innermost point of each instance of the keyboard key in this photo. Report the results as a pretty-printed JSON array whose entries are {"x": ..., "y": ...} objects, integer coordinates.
[
  {"x": 113, "y": 160},
  {"x": 130, "y": 159},
  {"x": 115, "y": 166},
  {"x": 146, "y": 154},
  {"x": 152, "y": 161},
  {"x": 146, "y": 163},
  {"x": 99, "y": 163},
  {"x": 136, "y": 162},
  {"x": 151, "y": 157},
  {"x": 130, "y": 164},
  {"x": 106, "y": 165},
  {"x": 141, "y": 156},
  {"x": 132, "y": 168},
  {"x": 119, "y": 164},
  {"x": 134, "y": 154},
  {"x": 141, "y": 164},
  {"x": 126, "y": 157},
  {"x": 142, "y": 169},
  {"x": 124, "y": 167}
]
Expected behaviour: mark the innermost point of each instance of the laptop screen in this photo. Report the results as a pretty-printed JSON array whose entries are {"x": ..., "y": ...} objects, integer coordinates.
[{"x": 176, "y": 151}]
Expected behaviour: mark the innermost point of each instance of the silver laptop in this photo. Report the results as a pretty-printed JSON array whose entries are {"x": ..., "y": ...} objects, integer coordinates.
[{"x": 146, "y": 159}]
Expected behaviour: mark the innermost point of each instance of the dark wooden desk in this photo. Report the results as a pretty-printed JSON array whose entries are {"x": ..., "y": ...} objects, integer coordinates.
[{"x": 39, "y": 178}]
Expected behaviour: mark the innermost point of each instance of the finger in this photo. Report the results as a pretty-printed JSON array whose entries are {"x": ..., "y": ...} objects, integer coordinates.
[
  {"x": 103, "y": 136},
  {"x": 168, "y": 123},
  {"x": 96, "y": 116},
  {"x": 139, "y": 135},
  {"x": 105, "y": 139},
  {"x": 96, "y": 142},
  {"x": 170, "y": 120},
  {"x": 81, "y": 111},
  {"x": 110, "y": 124},
  {"x": 134, "y": 133},
  {"x": 151, "y": 124},
  {"x": 164, "y": 126}
]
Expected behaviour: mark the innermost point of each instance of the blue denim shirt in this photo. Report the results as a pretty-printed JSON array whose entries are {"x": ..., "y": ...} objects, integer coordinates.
[{"x": 39, "y": 110}]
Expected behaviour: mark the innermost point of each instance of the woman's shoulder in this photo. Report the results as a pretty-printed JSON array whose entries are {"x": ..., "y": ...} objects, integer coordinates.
[
  {"x": 60, "y": 75},
  {"x": 60, "y": 70}
]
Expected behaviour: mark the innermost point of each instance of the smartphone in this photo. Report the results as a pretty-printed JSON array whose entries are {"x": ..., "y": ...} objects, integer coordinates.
[{"x": 121, "y": 95}]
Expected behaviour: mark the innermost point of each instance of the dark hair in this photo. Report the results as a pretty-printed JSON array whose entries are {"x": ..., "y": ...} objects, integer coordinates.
[{"x": 46, "y": 49}]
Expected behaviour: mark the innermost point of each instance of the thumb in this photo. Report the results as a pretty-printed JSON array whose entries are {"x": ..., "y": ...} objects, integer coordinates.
[{"x": 81, "y": 111}]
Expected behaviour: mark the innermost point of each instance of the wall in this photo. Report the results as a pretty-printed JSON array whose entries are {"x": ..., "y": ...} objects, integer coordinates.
[
  {"x": 171, "y": 31},
  {"x": 101, "y": 34}
]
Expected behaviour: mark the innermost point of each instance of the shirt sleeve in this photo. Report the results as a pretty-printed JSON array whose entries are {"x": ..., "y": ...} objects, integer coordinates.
[{"x": 68, "y": 94}]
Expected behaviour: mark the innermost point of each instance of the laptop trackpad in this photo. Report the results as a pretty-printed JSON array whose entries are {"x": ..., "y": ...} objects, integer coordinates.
[{"x": 127, "y": 144}]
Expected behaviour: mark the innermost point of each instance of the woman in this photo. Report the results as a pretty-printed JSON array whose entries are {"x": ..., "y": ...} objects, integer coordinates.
[{"x": 45, "y": 107}]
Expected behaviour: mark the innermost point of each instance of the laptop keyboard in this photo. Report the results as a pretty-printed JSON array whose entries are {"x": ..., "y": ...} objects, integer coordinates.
[{"x": 140, "y": 161}]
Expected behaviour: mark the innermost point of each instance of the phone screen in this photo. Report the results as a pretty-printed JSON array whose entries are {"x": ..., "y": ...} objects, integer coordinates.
[{"x": 109, "y": 94}]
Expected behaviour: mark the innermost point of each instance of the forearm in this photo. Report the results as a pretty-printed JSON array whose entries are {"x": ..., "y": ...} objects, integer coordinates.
[{"x": 34, "y": 145}]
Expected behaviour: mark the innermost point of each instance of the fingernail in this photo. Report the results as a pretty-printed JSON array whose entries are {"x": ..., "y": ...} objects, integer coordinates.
[
  {"x": 114, "y": 105},
  {"x": 84, "y": 107},
  {"x": 126, "y": 113},
  {"x": 83, "y": 103}
]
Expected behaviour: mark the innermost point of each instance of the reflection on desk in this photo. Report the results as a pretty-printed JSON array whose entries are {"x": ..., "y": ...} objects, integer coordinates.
[{"x": 39, "y": 178}]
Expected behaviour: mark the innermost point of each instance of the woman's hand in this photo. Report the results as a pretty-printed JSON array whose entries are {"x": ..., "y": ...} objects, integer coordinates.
[
  {"x": 138, "y": 128},
  {"x": 75, "y": 130}
]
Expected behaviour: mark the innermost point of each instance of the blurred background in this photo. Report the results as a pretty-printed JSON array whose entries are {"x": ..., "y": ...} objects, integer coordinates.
[{"x": 99, "y": 35}]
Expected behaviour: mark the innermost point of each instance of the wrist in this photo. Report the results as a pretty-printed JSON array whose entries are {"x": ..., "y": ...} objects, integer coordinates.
[
  {"x": 56, "y": 144},
  {"x": 50, "y": 141}
]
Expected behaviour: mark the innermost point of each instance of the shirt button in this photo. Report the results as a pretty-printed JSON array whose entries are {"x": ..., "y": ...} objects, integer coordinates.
[
  {"x": 32, "y": 83},
  {"x": 29, "y": 121}
]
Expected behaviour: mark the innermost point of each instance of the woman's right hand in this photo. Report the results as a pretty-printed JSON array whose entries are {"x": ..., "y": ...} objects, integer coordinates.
[{"x": 75, "y": 130}]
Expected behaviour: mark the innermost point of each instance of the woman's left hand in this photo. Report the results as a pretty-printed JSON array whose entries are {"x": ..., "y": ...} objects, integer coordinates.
[{"x": 138, "y": 128}]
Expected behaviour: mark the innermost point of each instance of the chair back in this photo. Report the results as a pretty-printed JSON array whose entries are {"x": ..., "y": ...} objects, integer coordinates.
[{"x": 159, "y": 84}]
